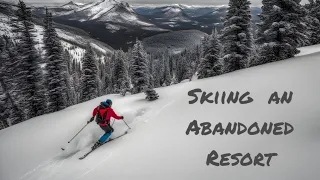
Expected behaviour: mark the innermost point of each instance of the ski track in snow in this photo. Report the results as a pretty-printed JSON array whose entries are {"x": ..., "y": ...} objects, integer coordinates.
[
  {"x": 159, "y": 111},
  {"x": 44, "y": 165},
  {"x": 95, "y": 167}
]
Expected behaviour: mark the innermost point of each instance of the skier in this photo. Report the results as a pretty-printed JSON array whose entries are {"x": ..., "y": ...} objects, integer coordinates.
[{"x": 103, "y": 120}]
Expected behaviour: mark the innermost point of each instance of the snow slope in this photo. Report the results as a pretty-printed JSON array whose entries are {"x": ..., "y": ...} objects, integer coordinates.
[{"x": 157, "y": 147}]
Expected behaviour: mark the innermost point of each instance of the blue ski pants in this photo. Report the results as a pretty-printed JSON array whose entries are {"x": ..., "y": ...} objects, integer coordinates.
[
  {"x": 105, "y": 137},
  {"x": 108, "y": 131}
]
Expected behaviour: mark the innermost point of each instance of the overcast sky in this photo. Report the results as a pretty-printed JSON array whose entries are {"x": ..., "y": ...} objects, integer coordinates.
[{"x": 189, "y": 2}]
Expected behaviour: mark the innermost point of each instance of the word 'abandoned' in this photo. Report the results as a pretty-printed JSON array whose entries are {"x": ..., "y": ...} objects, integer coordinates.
[{"x": 206, "y": 128}]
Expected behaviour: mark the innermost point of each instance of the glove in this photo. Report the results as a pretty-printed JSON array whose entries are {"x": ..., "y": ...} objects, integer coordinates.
[
  {"x": 121, "y": 117},
  {"x": 90, "y": 120}
]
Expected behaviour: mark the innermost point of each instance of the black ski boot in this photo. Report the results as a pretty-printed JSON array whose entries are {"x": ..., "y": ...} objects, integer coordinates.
[{"x": 96, "y": 145}]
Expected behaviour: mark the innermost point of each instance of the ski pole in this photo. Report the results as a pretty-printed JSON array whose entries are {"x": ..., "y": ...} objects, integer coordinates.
[
  {"x": 77, "y": 133},
  {"x": 126, "y": 124}
]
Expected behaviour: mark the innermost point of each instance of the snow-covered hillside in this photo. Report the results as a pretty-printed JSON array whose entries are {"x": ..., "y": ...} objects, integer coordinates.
[
  {"x": 175, "y": 41},
  {"x": 157, "y": 146},
  {"x": 73, "y": 43}
]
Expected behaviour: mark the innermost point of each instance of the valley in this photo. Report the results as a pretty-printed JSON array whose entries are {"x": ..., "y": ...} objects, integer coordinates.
[{"x": 118, "y": 24}]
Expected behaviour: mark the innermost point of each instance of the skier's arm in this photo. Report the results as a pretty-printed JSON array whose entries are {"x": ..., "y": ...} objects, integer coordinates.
[
  {"x": 93, "y": 115},
  {"x": 114, "y": 115}
]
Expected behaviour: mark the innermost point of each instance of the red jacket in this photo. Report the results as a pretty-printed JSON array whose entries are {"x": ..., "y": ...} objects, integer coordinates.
[{"x": 110, "y": 114}]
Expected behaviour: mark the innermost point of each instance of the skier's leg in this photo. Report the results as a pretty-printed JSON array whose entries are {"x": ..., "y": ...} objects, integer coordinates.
[{"x": 105, "y": 137}]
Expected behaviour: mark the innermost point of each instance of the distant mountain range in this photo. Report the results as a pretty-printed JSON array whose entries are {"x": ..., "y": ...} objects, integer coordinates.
[{"x": 119, "y": 24}]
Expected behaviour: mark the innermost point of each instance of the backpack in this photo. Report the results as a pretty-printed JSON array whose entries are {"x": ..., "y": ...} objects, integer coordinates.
[{"x": 99, "y": 118}]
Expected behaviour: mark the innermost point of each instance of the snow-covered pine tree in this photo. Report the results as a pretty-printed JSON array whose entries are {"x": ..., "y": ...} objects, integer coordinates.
[
  {"x": 151, "y": 94},
  {"x": 210, "y": 64},
  {"x": 120, "y": 74},
  {"x": 76, "y": 75},
  {"x": 14, "y": 114},
  {"x": 282, "y": 30},
  {"x": 11, "y": 113},
  {"x": 89, "y": 76},
  {"x": 313, "y": 21},
  {"x": 156, "y": 71},
  {"x": 30, "y": 73},
  {"x": 166, "y": 68},
  {"x": 71, "y": 96},
  {"x": 4, "y": 110},
  {"x": 194, "y": 56},
  {"x": 183, "y": 65},
  {"x": 205, "y": 45},
  {"x": 102, "y": 77},
  {"x": 150, "y": 70},
  {"x": 236, "y": 36},
  {"x": 100, "y": 74},
  {"x": 56, "y": 67},
  {"x": 108, "y": 76},
  {"x": 140, "y": 73},
  {"x": 173, "y": 67}
]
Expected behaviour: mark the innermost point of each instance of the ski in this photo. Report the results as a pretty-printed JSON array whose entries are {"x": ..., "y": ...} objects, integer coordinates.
[{"x": 84, "y": 156}]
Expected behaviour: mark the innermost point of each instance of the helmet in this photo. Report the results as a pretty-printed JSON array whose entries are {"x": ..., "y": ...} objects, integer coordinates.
[{"x": 108, "y": 102}]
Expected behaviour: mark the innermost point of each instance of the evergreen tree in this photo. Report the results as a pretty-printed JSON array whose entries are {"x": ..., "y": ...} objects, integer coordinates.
[
  {"x": 166, "y": 69},
  {"x": 4, "y": 110},
  {"x": 120, "y": 74},
  {"x": 102, "y": 77},
  {"x": 10, "y": 112},
  {"x": 76, "y": 76},
  {"x": 108, "y": 76},
  {"x": 211, "y": 64},
  {"x": 56, "y": 67},
  {"x": 89, "y": 76},
  {"x": 313, "y": 20},
  {"x": 205, "y": 45},
  {"x": 156, "y": 72},
  {"x": 30, "y": 73},
  {"x": 140, "y": 73},
  {"x": 151, "y": 94},
  {"x": 282, "y": 30},
  {"x": 236, "y": 36},
  {"x": 69, "y": 81},
  {"x": 195, "y": 54},
  {"x": 182, "y": 67}
]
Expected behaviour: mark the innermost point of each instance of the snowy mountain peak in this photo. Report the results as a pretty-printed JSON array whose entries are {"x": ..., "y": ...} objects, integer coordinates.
[
  {"x": 71, "y": 5},
  {"x": 174, "y": 12},
  {"x": 182, "y": 6}
]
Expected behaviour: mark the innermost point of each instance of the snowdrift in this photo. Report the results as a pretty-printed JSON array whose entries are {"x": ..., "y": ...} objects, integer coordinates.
[{"x": 157, "y": 146}]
